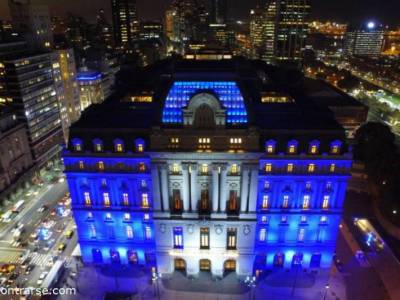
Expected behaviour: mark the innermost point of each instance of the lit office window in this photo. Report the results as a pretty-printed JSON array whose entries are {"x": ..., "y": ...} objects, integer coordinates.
[
  {"x": 231, "y": 238},
  {"x": 175, "y": 168},
  {"x": 332, "y": 168},
  {"x": 325, "y": 202},
  {"x": 265, "y": 202},
  {"x": 234, "y": 169},
  {"x": 81, "y": 165},
  {"x": 204, "y": 238},
  {"x": 129, "y": 232},
  {"x": 147, "y": 233},
  {"x": 86, "y": 196},
  {"x": 106, "y": 199},
  {"x": 145, "y": 200},
  {"x": 285, "y": 203},
  {"x": 290, "y": 168},
  {"x": 311, "y": 168},
  {"x": 268, "y": 168},
  {"x": 125, "y": 199},
  {"x": 204, "y": 168},
  {"x": 204, "y": 143},
  {"x": 306, "y": 202},
  {"x": 100, "y": 165},
  {"x": 178, "y": 237},
  {"x": 300, "y": 236},
  {"x": 263, "y": 235}
]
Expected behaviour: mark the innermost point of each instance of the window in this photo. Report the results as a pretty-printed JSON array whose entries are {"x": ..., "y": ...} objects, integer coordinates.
[
  {"x": 264, "y": 219},
  {"x": 174, "y": 142},
  {"x": 104, "y": 182},
  {"x": 90, "y": 216},
  {"x": 146, "y": 217},
  {"x": 270, "y": 149},
  {"x": 313, "y": 149},
  {"x": 231, "y": 239},
  {"x": 81, "y": 165},
  {"x": 143, "y": 183},
  {"x": 292, "y": 149},
  {"x": 283, "y": 219},
  {"x": 100, "y": 165},
  {"x": 234, "y": 169},
  {"x": 175, "y": 169},
  {"x": 177, "y": 202},
  {"x": 92, "y": 231},
  {"x": 108, "y": 217},
  {"x": 300, "y": 236},
  {"x": 266, "y": 185},
  {"x": 263, "y": 235},
  {"x": 232, "y": 203},
  {"x": 147, "y": 232},
  {"x": 106, "y": 199},
  {"x": 204, "y": 169},
  {"x": 235, "y": 143},
  {"x": 332, "y": 168},
  {"x": 268, "y": 168},
  {"x": 308, "y": 185},
  {"x": 285, "y": 203},
  {"x": 119, "y": 147},
  {"x": 306, "y": 202},
  {"x": 140, "y": 148},
  {"x": 335, "y": 149},
  {"x": 303, "y": 219},
  {"x": 323, "y": 219},
  {"x": 328, "y": 185},
  {"x": 178, "y": 238},
  {"x": 127, "y": 216},
  {"x": 129, "y": 232},
  {"x": 88, "y": 201},
  {"x": 265, "y": 202},
  {"x": 145, "y": 200},
  {"x": 204, "y": 238},
  {"x": 204, "y": 144},
  {"x": 325, "y": 202},
  {"x": 311, "y": 168},
  {"x": 142, "y": 167},
  {"x": 125, "y": 199},
  {"x": 78, "y": 147},
  {"x": 98, "y": 147},
  {"x": 290, "y": 168}
]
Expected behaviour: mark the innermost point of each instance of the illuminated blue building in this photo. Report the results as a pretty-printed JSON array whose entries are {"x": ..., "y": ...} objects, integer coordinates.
[{"x": 221, "y": 167}]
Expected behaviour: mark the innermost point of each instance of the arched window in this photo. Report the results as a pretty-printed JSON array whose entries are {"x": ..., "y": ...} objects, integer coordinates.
[
  {"x": 139, "y": 145},
  {"x": 336, "y": 147},
  {"x": 77, "y": 144},
  {"x": 98, "y": 145},
  {"x": 292, "y": 147},
  {"x": 119, "y": 145},
  {"x": 313, "y": 147},
  {"x": 270, "y": 146}
]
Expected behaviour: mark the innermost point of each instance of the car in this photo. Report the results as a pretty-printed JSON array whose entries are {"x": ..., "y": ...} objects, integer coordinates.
[
  {"x": 12, "y": 278},
  {"x": 29, "y": 268},
  {"x": 69, "y": 234},
  {"x": 42, "y": 276},
  {"x": 61, "y": 247}
]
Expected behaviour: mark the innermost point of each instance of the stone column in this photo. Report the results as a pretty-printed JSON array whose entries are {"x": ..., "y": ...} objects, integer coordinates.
[
  {"x": 223, "y": 189},
  {"x": 193, "y": 187},
  {"x": 215, "y": 187},
  {"x": 185, "y": 187},
  {"x": 253, "y": 189},
  {"x": 155, "y": 179},
  {"x": 244, "y": 190},
  {"x": 164, "y": 186}
]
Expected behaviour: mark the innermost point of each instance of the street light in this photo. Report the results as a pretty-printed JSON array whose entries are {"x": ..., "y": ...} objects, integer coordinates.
[
  {"x": 155, "y": 277},
  {"x": 251, "y": 283},
  {"x": 326, "y": 290}
]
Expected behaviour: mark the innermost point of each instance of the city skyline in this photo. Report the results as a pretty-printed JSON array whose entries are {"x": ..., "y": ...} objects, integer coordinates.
[{"x": 355, "y": 11}]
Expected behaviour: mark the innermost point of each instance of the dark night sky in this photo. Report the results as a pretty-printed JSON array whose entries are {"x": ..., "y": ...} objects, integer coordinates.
[{"x": 383, "y": 11}]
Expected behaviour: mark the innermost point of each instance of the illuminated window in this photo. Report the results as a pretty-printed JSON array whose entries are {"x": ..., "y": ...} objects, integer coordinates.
[
  {"x": 311, "y": 168},
  {"x": 78, "y": 147},
  {"x": 263, "y": 235},
  {"x": 143, "y": 183},
  {"x": 125, "y": 199},
  {"x": 268, "y": 168},
  {"x": 204, "y": 144},
  {"x": 147, "y": 232},
  {"x": 235, "y": 141},
  {"x": 300, "y": 236},
  {"x": 174, "y": 142},
  {"x": 119, "y": 147},
  {"x": 140, "y": 148},
  {"x": 332, "y": 168},
  {"x": 290, "y": 168},
  {"x": 313, "y": 149},
  {"x": 88, "y": 201},
  {"x": 264, "y": 219},
  {"x": 142, "y": 167},
  {"x": 108, "y": 217},
  {"x": 231, "y": 239},
  {"x": 204, "y": 238},
  {"x": 303, "y": 219},
  {"x": 292, "y": 149},
  {"x": 283, "y": 219},
  {"x": 270, "y": 146},
  {"x": 129, "y": 232},
  {"x": 178, "y": 237},
  {"x": 81, "y": 165},
  {"x": 204, "y": 168},
  {"x": 89, "y": 216},
  {"x": 234, "y": 169},
  {"x": 106, "y": 199},
  {"x": 285, "y": 203},
  {"x": 335, "y": 149},
  {"x": 323, "y": 219},
  {"x": 265, "y": 202},
  {"x": 325, "y": 202},
  {"x": 266, "y": 185},
  {"x": 146, "y": 217},
  {"x": 270, "y": 149},
  {"x": 175, "y": 169},
  {"x": 308, "y": 185},
  {"x": 127, "y": 216},
  {"x": 100, "y": 165},
  {"x": 92, "y": 231},
  {"x": 306, "y": 202},
  {"x": 145, "y": 200}
]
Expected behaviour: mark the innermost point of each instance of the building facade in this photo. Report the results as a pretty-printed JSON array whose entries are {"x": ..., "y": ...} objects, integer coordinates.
[
  {"x": 367, "y": 41},
  {"x": 213, "y": 172},
  {"x": 125, "y": 21},
  {"x": 90, "y": 88}
]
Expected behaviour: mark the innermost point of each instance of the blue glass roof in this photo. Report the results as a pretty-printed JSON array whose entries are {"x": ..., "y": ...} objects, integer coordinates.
[{"x": 227, "y": 92}]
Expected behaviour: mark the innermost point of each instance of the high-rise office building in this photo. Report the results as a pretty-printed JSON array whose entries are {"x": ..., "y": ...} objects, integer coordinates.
[
  {"x": 229, "y": 175},
  {"x": 365, "y": 41},
  {"x": 104, "y": 30},
  {"x": 125, "y": 21},
  {"x": 31, "y": 18},
  {"x": 28, "y": 85},
  {"x": 286, "y": 30},
  {"x": 64, "y": 73},
  {"x": 257, "y": 31},
  {"x": 218, "y": 11}
]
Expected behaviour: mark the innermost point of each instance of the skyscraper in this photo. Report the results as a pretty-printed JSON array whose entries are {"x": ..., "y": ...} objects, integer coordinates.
[
  {"x": 257, "y": 31},
  {"x": 365, "y": 41},
  {"x": 286, "y": 29},
  {"x": 31, "y": 19},
  {"x": 125, "y": 21},
  {"x": 218, "y": 11}
]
